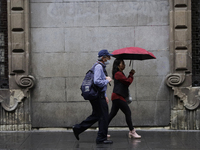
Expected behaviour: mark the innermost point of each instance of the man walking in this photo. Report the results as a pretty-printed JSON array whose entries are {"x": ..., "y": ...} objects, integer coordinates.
[{"x": 99, "y": 106}]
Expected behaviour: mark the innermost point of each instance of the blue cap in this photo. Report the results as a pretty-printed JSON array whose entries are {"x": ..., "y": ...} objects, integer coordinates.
[{"x": 104, "y": 52}]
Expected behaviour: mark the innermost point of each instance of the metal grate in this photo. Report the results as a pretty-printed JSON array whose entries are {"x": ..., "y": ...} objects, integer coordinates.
[
  {"x": 195, "y": 42},
  {"x": 3, "y": 45}
]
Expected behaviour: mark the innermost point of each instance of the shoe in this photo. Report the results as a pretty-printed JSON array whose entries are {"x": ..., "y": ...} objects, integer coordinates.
[
  {"x": 75, "y": 133},
  {"x": 133, "y": 134},
  {"x": 105, "y": 142},
  {"x": 108, "y": 136}
]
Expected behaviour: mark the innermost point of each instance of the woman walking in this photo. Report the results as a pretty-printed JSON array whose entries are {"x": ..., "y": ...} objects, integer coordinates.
[{"x": 120, "y": 91}]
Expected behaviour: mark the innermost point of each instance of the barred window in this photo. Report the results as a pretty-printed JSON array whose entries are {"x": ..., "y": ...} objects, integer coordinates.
[
  {"x": 195, "y": 42},
  {"x": 3, "y": 45}
]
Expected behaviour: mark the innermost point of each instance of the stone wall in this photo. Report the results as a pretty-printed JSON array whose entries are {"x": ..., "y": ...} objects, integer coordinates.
[{"x": 66, "y": 36}]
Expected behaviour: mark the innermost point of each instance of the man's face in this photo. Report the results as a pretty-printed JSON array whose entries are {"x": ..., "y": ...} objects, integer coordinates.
[{"x": 106, "y": 58}]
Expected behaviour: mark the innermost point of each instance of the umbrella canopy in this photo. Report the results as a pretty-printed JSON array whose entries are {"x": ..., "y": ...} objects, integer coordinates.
[{"x": 133, "y": 53}]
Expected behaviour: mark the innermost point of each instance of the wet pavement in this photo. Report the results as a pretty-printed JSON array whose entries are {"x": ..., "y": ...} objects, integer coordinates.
[{"x": 151, "y": 140}]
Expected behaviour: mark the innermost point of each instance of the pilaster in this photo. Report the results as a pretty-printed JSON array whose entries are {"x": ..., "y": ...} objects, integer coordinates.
[
  {"x": 180, "y": 78},
  {"x": 15, "y": 101}
]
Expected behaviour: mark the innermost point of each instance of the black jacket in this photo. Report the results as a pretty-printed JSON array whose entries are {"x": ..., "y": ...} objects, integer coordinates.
[{"x": 120, "y": 88}]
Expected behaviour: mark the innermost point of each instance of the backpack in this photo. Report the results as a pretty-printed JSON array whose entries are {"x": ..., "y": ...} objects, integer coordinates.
[{"x": 89, "y": 90}]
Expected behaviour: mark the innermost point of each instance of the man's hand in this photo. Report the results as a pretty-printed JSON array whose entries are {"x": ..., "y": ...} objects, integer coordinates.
[
  {"x": 107, "y": 100},
  {"x": 109, "y": 79}
]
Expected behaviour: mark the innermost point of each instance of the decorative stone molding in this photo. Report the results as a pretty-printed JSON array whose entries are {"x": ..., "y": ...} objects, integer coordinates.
[
  {"x": 25, "y": 81},
  {"x": 10, "y": 100},
  {"x": 175, "y": 79},
  {"x": 188, "y": 95},
  {"x": 18, "y": 48},
  {"x": 180, "y": 51}
]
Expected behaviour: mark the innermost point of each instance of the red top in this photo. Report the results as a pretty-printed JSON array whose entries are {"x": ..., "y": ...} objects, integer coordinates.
[{"x": 122, "y": 78}]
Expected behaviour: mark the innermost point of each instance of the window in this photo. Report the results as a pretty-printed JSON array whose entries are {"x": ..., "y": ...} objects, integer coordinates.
[
  {"x": 195, "y": 42},
  {"x": 3, "y": 45}
]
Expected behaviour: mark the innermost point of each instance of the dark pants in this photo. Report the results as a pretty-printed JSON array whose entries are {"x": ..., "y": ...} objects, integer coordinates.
[
  {"x": 100, "y": 114},
  {"x": 120, "y": 104}
]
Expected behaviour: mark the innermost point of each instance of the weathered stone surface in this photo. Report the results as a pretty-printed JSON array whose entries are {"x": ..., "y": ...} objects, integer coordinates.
[
  {"x": 153, "y": 13},
  {"x": 151, "y": 67},
  {"x": 17, "y": 21},
  {"x": 17, "y": 4},
  {"x": 50, "y": 65},
  {"x": 81, "y": 39},
  {"x": 95, "y": 39},
  {"x": 152, "y": 37},
  {"x": 58, "y": 114},
  {"x": 18, "y": 40},
  {"x": 47, "y": 40},
  {"x": 155, "y": 113},
  {"x": 181, "y": 59},
  {"x": 64, "y": 14},
  {"x": 51, "y": 14},
  {"x": 151, "y": 88},
  {"x": 85, "y": 14},
  {"x": 118, "y": 13},
  {"x": 178, "y": 2},
  {"x": 180, "y": 19},
  {"x": 43, "y": 1},
  {"x": 47, "y": 113},
  {"x": 181, "y": 36},
  {"x": 49, "y": 90},
  {"x": 73, "y": 91},
  {"x": 18, "y": 62}
]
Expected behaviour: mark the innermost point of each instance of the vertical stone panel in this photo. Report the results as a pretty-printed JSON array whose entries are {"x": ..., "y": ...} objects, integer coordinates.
[
  {"x": 17, "y": 4},
  {"x": 180, "y": 3},
  {"x": 181, "y": 60},
  {"x": 15, "y": 101},
  {"x": 17, "y": 21},
  {"x": 18, "y": 64},
  {"x": 180, "y": 19},
  {"x": 181, "y": 38},
  {"x": 18, "y": 41},
  {"x": 186, "y": 110}
]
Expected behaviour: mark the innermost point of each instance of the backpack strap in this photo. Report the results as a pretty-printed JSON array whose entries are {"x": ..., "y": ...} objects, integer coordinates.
[{"x": 104, "y": 70}]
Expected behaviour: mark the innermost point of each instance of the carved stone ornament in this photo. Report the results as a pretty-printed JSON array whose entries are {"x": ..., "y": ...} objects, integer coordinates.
[
  {"x": 190, "y": 96},
  {"x": 175, "y": 79},
  {"x": 180, "y": 78},
  {"x": 19, "y": 55},
  {"x": 9, "y": 99}
]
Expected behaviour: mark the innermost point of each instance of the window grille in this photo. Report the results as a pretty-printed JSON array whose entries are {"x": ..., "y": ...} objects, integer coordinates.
[{"x": 3, "y": 45}]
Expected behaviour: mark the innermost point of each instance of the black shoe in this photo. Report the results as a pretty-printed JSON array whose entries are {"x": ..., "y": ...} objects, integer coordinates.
[
  {"x": 105, "y": 142},
  {"x": 75, "y": 133}
]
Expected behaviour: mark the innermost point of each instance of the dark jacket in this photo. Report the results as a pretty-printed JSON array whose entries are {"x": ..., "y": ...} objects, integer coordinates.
[{"x": 120, "y": 88}]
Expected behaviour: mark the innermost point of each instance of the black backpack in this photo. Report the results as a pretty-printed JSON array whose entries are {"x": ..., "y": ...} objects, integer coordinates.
[{"x": 89, "y": 90}]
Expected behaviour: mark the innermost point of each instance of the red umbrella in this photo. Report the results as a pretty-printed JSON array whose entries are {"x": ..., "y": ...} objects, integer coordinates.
[{"x": 133, "y": 53}]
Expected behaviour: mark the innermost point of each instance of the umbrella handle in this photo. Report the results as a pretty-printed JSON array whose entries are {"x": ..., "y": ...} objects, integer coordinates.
[{"x": 131, "y": 62}]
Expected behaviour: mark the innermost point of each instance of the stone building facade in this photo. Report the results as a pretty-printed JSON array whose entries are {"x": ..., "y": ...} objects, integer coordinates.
[{"x": 52, "y": 43}]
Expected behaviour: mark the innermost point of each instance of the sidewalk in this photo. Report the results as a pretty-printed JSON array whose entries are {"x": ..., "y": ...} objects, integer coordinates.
[{"x": 151, "y": 140}]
